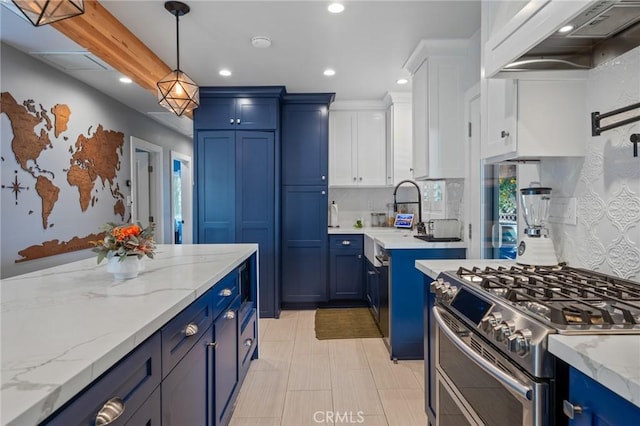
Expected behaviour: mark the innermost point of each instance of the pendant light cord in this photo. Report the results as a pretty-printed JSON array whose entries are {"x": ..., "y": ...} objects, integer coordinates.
[{"x": 178, "y": 39}]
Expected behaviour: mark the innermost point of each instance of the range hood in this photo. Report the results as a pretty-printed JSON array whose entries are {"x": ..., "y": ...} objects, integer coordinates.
[{"x": 604, "y": 31}]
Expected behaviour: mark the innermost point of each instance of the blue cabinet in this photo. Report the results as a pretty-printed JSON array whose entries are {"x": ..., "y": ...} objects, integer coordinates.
[
  {"x": 237, "y": 177},
  {"x": 346, "y": 267},
  {"x": 372, "y": 294},
  {"x": 599, "y": 405},
  {"x": 304, "y": 244},
  {"x": 226, "y": 362},
  {"x": 304, "y": 237},
  {"x": 238, "y": 108}
]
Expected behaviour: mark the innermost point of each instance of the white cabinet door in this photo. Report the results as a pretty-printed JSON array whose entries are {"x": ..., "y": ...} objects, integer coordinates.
[
  {"x": 400, "y": 166},
  {"x": 371, "y": 169},
  {"x": 342, "y": 152},
  {"x": 420, "y": 121},
  {"x": 501, "y": 98}
]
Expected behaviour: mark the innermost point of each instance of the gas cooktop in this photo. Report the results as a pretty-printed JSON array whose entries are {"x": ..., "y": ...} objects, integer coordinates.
[{"x": 571, "y": 300}]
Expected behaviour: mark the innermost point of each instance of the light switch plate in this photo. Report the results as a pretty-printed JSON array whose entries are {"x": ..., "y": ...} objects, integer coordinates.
[{"x": 563, "y": 210}]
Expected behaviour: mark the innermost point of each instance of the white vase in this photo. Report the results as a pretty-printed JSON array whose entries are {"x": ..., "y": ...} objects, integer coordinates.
[{"x": 124, "y": 269}]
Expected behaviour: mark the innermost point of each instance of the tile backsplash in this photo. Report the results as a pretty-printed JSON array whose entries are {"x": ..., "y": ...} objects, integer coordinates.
[{"x": 606, "y": 182}]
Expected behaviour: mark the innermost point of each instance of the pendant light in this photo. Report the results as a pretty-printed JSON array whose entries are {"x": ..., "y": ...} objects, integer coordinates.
[
  {"x": 176, "y": 91},
  {"x": 42, "y": 12}
]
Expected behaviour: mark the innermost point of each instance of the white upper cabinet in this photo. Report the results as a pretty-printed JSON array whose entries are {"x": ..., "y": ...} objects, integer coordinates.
[
  {"x": 511, "y": 28},
  {"x": 529, "y": 119},
  {"x": 438, "y": 115},
  {"x": 399, "y": 142},
  {"x": 357, "y": 147}
]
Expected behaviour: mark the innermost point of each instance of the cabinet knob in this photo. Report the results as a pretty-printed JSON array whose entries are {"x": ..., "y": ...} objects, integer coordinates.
[
  {"x": 237, "y": 121},
  {"x": 225, "y": 292},
  {"x": 361, "y": 179},
  {"x": 229, "y": 315},
  {"x": 323, "y": 178},
  {"x": 231, "y": 121},
  {"x": 346, "y": 243},
  {"x": 354, "y": 179},
  {"x": 504, "y": 134},
  {"x": 359, "y": 256},
  {"x": 248, "y": 342},
  {"x": 324, "y": 192},
  {"x": 570, "y": 410},
  {"x": 110, "y": 411},
  {"x": 191, "y": 329}
]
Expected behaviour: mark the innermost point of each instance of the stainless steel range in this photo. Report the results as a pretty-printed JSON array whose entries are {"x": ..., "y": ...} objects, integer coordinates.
[{"x": 500, "y": 319}]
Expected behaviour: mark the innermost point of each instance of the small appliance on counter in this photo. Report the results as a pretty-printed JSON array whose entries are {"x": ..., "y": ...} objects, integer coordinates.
[
  {"x": 536, "y": 247},
  {"x": 441, "y": 230},
  {"x": 333, "y": 215}
]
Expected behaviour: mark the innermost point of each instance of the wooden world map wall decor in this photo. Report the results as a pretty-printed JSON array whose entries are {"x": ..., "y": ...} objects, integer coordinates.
[{"x": 93, "y": 160}]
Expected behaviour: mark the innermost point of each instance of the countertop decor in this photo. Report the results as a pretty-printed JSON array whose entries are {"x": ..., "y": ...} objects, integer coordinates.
[
  {"x": 125, "y": 240},
  {"x": 63, "y": 327}
]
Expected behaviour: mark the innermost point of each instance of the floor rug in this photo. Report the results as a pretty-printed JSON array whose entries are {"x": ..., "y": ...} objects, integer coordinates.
[{"x": 345, "y": 323}]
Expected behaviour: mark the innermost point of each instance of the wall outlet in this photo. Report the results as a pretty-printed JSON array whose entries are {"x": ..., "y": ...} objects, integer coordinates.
[{"x": 563, "y": 210}]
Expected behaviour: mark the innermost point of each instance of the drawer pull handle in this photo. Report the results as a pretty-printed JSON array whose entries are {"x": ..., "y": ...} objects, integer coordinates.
[
  {"x": 229, "y": 315},
  {"x": 110, "y": 411},
  {"x": 225, "y": 292},
  {"x": 571, "y": 410},
  {"x": 191, "y": 330},
  {"x": 212, "y": 344},
  {"x": 248, "y": 342},
  {"x": 346, "y": 243}
]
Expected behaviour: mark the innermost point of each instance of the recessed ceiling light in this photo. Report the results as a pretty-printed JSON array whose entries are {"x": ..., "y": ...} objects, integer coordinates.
[
  {"x": 335, "y": 7},
  {"x": 261, "y": 42},
  {"x": 125, "y": 80},
  {"x": 225, "y": 73},
  {"x": 329, "y": 72},
  {"x": 565, "y": 29},
  {"x": 402, "y": 81}
]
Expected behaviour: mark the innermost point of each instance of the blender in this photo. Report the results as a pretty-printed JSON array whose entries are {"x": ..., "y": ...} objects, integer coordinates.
[{"x": 536, "y": 247}]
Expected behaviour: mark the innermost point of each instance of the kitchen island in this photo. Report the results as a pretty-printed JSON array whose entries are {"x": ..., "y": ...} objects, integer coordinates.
[{"x": 63, "y": 327}]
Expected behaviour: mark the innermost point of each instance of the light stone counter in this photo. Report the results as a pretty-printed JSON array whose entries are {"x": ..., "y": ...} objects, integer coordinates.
[
  {"x": 613, "y": 361},
  {"x": 63, "y": 327},
  {"x": 433, "y": 268}
]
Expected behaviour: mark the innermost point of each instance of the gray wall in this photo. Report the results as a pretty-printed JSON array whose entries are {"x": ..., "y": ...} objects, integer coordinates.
[{"x": 27, "y": 78}]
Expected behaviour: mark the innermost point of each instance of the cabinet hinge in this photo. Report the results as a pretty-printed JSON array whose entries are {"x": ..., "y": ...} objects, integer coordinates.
[
  {"x": 469, "y": 129},
  {"x": 150, "y": 169},
  {"x": 150, "y": 219},
  {"x": 469, "y": 231}
]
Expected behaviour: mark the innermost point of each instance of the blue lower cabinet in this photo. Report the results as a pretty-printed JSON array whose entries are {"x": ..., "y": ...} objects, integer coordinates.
[
  {"x": 304, "y": 244},
  {"x": 126, "y": 386},
  {"x": 406, "y": 299},
  {"x": 429, "y": 351},
  {"x": 225, "y": 330},
  {"x": 187, "y": 390},
  {"x": 346, "y": 267},
  {"x": 590, "y": 403},
  {"x": 149, "y": 413},
  {"x": 372, "y": 284}
]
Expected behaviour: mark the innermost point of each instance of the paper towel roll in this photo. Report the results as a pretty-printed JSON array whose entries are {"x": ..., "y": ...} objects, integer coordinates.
[{"x": 333, "y": 215}]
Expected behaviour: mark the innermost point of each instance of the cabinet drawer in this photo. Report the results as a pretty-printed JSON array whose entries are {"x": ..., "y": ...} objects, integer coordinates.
[
  {"x": 224, "y": 292},
  {"x": 179, "y": 335},
  {"x": 247, "y": 343},
  {"x": 132, "y": 380},
  {"x": 345, "y": 241},
  {"x": 149, "y": 413}
]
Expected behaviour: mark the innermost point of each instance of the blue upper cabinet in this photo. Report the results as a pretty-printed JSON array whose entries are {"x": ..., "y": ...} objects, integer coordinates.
[
  {"x": 305, "y": 148},
  {"x": 233, "y": 108}
]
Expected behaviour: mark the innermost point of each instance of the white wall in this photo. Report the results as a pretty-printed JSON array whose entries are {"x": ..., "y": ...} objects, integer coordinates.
[
  {"x": 606, "y": 182},
  {"x": 27, "y": 78}
]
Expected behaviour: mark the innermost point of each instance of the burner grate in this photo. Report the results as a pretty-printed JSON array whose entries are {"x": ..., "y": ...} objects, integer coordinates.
[{"x": 563, "y": 295}]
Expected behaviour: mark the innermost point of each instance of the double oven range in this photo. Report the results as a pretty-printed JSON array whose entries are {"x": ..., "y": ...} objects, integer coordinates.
[{"x": 492, "y": 326}]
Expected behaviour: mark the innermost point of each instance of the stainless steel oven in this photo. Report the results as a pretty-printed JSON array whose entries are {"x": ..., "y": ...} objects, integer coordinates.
[{"x": 477, "y": 385}]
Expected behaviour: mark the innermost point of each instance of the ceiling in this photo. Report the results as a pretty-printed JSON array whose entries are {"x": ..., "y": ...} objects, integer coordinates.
[{"x": 367, "y": 45}]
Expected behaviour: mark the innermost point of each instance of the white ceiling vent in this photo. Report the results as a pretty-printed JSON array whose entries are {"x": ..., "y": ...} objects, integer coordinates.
[{"x": 73, "y": 61}]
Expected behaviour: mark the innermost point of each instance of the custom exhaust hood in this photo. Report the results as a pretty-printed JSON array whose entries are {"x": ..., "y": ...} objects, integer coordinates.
[{"x": 602, "y": 32}]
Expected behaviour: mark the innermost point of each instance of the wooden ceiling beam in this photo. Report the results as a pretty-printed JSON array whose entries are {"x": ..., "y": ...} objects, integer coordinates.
[{"x": 102, "y": 34}]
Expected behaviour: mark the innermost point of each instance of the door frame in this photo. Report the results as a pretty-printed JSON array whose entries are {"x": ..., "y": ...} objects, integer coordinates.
[
  {"x": 156, "y": 179},
  {"x": 187, "y": 199}
]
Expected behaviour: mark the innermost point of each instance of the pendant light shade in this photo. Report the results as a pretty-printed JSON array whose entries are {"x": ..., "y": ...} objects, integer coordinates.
[
  {"x": 177, "y": 91},
  {"x": 42, "y": 12}
]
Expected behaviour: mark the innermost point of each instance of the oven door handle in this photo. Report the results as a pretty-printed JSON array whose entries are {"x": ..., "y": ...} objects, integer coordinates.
[{"x": 508, "y": 381}]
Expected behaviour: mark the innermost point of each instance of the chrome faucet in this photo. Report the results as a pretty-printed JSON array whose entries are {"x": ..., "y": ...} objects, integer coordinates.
[{"x": 419, "y": 225}]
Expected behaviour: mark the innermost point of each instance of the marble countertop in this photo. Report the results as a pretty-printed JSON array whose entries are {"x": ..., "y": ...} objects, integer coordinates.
[
  {"x": 433, "y": 268},
  {"x": 64, "y": 326},
  {"x": 613, "y": 361}
]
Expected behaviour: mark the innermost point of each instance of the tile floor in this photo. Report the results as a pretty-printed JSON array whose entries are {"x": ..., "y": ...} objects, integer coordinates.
[{"x": 299, "y": 380}]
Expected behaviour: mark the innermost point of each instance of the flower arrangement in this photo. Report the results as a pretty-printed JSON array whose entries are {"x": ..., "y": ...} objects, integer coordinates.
[{"x": 125, "y": 240}]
